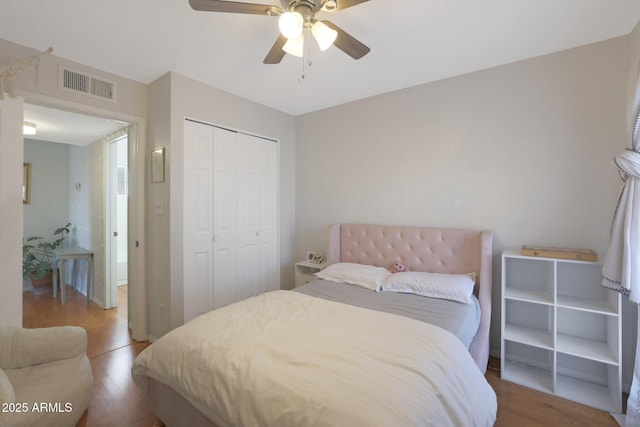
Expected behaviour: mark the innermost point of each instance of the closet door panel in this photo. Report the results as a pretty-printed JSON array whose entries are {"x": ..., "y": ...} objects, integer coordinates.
[
  {"x": 197, "y": 292},
  {"x": 225, "y": 284},
  {"x": 259, "y": 171},
  {"x": 269, "y": 268},
  {"x": 248, "y": 211}
]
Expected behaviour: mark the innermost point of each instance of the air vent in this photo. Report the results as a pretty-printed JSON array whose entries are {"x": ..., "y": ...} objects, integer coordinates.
[{"x": 87, "y": 84}]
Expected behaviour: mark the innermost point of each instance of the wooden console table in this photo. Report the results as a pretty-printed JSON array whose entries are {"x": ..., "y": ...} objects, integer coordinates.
[{"x": 63, "y": 255}]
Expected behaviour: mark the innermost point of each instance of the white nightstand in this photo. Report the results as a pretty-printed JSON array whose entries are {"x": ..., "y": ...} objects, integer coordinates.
[{"x": 305, "y": 271}]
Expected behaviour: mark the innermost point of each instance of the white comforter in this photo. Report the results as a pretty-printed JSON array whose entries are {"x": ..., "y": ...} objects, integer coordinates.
[{"x": 286, "y": 359}]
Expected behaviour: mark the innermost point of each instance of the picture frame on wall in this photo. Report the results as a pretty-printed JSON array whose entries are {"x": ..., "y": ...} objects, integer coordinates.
[{"x": 26, "y": 184}]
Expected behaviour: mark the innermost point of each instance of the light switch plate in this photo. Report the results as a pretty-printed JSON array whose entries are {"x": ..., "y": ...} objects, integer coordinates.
[{"x": 159, "y": 206}]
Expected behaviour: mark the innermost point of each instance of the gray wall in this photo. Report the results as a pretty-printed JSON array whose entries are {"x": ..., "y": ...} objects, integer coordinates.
[
  {"x": 523, "y": 149},
  {"x": 56, "y": 169},
  {"x": 86, "y": 210},
  {"x": 49, "y": 207}
]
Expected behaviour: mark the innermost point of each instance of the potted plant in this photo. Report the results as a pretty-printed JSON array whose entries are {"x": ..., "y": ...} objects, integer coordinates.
[{"x": 37, "y": 256}]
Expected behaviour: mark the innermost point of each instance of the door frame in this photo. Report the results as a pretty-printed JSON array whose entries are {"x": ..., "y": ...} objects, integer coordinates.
[
  {"x": 136, "y": 209},
  {"x": 11, "y": 210}
]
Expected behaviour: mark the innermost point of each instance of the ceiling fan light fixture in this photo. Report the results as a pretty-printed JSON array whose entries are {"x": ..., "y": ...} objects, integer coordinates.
[
  {"x": 324, "y": 35},
  {"x": 295, "y": 46},
  {"x": 291, "y": 24},
  {"x": 28, "y": 128}
]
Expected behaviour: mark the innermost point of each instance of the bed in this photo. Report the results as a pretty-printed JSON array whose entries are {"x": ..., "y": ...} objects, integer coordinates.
[{"x": 313, "y": 357}]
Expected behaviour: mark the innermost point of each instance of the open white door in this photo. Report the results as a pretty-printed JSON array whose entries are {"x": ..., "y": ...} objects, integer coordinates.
[
  {"x": 11, "y": 195},
  {"x": 116, "y": 206}
]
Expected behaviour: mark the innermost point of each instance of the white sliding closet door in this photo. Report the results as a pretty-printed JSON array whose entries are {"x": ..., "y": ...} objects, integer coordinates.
[
  {"x": 231, "y": 200},
  {"x": 226, "y": 288},
  {"x": 257, "y": 215},
  {"x": 197, "y": 226}
]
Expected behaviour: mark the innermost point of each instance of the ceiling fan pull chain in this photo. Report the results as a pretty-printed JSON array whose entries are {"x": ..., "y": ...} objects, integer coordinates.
[
  {"x": 308, "y": 36},
  {"x": 303, "y": 58},
  {"x": 308, "y": 60}
]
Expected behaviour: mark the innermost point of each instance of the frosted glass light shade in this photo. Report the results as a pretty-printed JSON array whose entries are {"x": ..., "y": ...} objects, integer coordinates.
[
  {"x": 28, "y": 128},
  {"x": 295, "y": 46},
  {"x": 291, "y": 24},
  {"x": 324, "y": 35}
]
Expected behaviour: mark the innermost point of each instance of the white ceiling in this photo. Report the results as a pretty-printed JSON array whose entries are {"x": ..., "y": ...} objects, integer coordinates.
[
  {"x": 67, "y": 127},
  {"x": 412, "y": 42}
]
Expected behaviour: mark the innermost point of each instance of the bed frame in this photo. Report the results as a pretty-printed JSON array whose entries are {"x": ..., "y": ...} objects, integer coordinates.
[
  {"x": 420, "y": 249},
  {"x": 437, "y": 250}
]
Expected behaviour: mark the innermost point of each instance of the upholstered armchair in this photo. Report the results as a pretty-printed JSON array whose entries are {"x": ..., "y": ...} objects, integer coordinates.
[{"x": 45, "y": 376}]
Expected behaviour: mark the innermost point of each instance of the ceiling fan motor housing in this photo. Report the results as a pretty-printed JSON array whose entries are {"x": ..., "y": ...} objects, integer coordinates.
[{"x": 306, "y": 8}]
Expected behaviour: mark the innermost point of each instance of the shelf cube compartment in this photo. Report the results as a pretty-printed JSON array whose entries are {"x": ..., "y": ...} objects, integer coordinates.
[
  {"x": 591, "y": 383},
  {"x": 589, "y": 335},
  {"x": 529, "y": 323},
  {"x": 580, "y": 286},
  {"x": 529, "y": 280},
  {"x": 528, "y": 365}
]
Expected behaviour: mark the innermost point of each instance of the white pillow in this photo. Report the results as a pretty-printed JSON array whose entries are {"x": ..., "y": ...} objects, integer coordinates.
[
  {"x": 367, "y": 276},
  {"x": 456, "y": 287}
]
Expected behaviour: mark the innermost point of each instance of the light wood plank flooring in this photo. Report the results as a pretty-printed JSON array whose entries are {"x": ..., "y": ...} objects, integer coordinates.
[
  {"x": 117, "y": 402},
  {"x": 520, "y": 406},
  {"x": 111, "y": 350}
]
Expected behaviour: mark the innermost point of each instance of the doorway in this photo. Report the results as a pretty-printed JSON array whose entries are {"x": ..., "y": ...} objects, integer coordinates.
[{"x": 134, "y": 177}]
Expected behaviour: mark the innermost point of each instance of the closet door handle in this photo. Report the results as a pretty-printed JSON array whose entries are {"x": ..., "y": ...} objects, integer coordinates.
[{"x": 258, "y": 233}]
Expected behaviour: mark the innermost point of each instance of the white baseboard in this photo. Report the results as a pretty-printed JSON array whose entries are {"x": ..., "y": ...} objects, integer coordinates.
[{"x": 99, "y": 302}]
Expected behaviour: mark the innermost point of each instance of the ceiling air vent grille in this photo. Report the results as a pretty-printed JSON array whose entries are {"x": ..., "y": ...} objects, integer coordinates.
[{"x": 87, "y": 84}]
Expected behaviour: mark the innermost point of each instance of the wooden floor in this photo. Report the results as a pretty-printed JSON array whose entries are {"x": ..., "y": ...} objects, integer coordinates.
[
  {"x": 117, "y": 402},
  {"x": 523, "y": 407}
]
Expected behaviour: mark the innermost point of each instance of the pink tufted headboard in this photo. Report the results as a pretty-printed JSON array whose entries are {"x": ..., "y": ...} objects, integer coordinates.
[{"x": 437, "y": 250}]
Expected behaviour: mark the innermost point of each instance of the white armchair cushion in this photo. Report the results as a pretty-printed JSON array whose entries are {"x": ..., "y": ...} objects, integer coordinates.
[
  {"x": 27, "y": 347},
  {"x": 66, "y": 383},
  {"x": 45, "y": 366},
  {"x": 7, "y": 395}
]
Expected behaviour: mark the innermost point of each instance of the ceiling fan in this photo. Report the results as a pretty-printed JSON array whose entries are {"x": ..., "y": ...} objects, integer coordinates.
[{"x": 295, "y": 16}]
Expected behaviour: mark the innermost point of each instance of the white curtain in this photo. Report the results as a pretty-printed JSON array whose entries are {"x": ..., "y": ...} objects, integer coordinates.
[{"x": 621, "y": 269}]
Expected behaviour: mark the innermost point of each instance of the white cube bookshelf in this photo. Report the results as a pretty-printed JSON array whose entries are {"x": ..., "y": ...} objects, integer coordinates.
[{"x": 561, "y": 330}]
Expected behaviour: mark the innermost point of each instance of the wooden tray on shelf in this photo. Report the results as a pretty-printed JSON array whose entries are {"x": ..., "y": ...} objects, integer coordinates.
[{"x": 562, "y": 253}]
